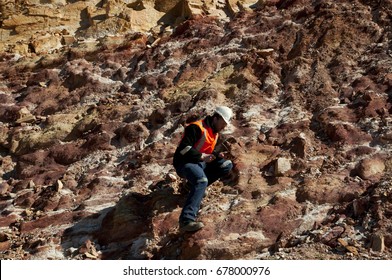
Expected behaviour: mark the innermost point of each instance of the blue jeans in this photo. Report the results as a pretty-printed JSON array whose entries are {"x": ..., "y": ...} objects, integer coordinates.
[{"x": 200, "y": 175}]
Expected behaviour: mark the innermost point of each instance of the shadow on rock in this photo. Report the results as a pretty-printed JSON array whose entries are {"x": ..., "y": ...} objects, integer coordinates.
[{"x": 135, "y": 228}]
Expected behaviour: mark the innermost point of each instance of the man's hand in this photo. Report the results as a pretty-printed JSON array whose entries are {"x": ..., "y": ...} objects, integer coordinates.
[
  {"x": 207, "y": 157},
  {"x": 223, "y": 155}
]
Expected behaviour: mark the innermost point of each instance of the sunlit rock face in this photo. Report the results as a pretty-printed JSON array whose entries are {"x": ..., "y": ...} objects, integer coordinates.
[
  {"x": 40, "y": 27},
  {"x": 94, "y": 97}
]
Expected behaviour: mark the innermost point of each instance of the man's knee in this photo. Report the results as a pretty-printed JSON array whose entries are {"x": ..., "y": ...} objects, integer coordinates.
[
  {"x": 195, "y": 175},
  {"x": 202, "y": 182}
]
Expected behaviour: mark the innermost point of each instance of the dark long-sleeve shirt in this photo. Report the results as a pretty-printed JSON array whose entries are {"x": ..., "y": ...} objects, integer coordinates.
[{"x": 183, "y": 153}]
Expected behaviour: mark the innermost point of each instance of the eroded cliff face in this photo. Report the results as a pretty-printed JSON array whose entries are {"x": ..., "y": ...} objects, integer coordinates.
[
  {"x": 88, "y": 127},
  {"x": 38, "y": 27}
]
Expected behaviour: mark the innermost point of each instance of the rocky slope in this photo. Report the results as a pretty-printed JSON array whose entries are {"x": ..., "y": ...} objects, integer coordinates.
[{"x": 93, "y": 103}]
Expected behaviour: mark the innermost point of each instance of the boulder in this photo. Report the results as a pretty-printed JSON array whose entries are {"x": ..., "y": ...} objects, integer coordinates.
[{"x": 369, "y": 168}]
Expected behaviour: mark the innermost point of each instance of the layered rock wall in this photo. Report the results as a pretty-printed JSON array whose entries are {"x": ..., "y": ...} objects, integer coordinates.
[{"x": 33, "y": 27}]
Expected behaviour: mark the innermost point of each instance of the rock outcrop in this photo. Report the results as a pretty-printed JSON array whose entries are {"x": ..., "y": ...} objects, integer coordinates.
[
  {"x": 32, "y": 27},
  {"x": 94, "y": 97}
]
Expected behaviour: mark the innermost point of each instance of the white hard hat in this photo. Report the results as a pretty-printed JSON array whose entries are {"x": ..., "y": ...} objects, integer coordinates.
[{"x": 225, "y": 112}]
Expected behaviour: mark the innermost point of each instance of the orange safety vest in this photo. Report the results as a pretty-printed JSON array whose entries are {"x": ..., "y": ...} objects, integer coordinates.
[{"x": 206, "y": 143}]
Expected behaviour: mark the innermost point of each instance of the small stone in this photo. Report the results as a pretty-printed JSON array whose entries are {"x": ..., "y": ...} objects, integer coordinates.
[
  {"x": 31, "y": 184},
  {"x": 282, "y": 165},
  {"x": 377, "y": 242},
  {"x": 4, "y": 188},
  {"x": 352, "y": 250},
  {"x": 59, "y": 185},
  {"x": 265, "y": 52},
  {"x": 24, "y": 116},
  {"x": 261, "y": 137},
  {"x": 342, "y": 242},
  {"x": 90, "y": 256},
  {"x": 171, "y": 177},
  {"x": 68, "y": 40},
  {"x": 28, "y": 212}
]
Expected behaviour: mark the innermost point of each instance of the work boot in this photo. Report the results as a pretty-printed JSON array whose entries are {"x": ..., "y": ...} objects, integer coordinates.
[{"x": 191, "y": 226}]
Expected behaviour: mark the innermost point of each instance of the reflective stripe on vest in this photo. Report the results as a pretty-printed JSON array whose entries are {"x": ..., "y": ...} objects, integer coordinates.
[{"x": 206, "y": 143}]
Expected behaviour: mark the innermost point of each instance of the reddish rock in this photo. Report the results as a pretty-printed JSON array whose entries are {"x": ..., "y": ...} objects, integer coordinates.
[
  {"x": 132, "y": 133},
  {"x": 26, "y": 199},
  {"x": 4, "y": 188},
  {"x": 5, "y": 98},
  {"x": 50, "y": 100},
  {"x": 9, "y": 113},
  {"x": 370, "y": 167},
  {"x": 67, "y": 153},
  {"x": 331, "y": 237},
  {"x": 165, "y": 225},
  {"x": 98, "y": 141},
  {"x": 284, "y": 134},
  {"x": 359, "y": 151},
  {"x": 78, "y": 73},
  {"x": 6, "y": 245},
  {"x": 45, "y": 77},
  {"x": 159, "y": 117},
  {"x": 280, "y": 209},
  {"x": 363, "y": 84},
  {"x": 376, "y": 105},
  {"x": 328, "y": 190},
  {"x": 40, "y": 166},
  {"x": 347, "y": 134},
  {"x": 48, "y": 200},
  {"x": 51, "y": 220},
  {"x": 199, "y": 69},
  {"x": 8, "y": 220},
  {"x": 343, "y": 114}
]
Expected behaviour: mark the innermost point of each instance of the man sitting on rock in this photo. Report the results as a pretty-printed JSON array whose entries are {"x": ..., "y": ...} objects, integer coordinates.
[{"x": 196, "y": 160}]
